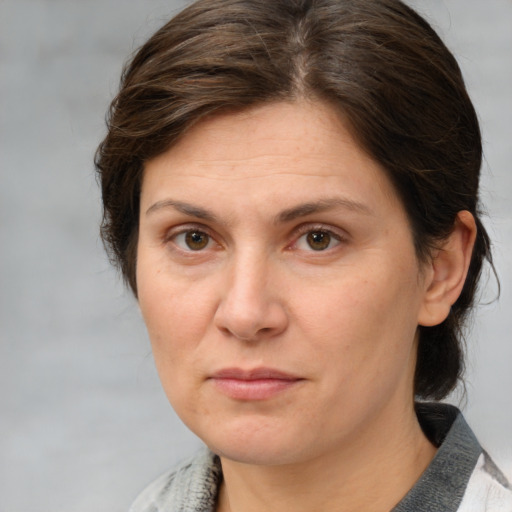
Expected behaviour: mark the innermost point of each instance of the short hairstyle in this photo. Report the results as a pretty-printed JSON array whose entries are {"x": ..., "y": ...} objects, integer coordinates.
[{"x": 377, "y": 62}]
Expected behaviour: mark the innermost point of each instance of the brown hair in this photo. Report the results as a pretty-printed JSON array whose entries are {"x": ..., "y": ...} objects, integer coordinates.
[{"x": 377, "y": 61}]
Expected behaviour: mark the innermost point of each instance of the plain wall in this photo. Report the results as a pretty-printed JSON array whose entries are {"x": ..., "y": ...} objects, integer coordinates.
[{"x": 84, "y": 424}]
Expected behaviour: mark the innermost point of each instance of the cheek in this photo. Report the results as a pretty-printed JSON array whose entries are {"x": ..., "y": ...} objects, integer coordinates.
[
  {"x": 361, "y": 319},
  {"x": 349, "y": 305},
  {"x": 175, "y": 314},
  {"x": 175, "y": 319},
  {"x": 176, "y": 324},
  {"x": 171, "y": 304}
]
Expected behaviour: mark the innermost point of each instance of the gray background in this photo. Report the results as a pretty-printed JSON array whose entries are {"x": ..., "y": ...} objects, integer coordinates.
[{"x": 83, "y": 422}]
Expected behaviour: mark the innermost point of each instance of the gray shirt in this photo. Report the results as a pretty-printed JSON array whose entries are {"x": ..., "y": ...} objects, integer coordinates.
[{"x": 460, "y": 478}]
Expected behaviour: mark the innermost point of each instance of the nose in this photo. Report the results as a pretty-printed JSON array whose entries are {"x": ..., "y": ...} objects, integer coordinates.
[{"x": 251, "y": 306}]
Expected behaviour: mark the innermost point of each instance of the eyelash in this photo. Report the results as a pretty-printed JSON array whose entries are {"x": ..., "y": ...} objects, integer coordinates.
[
  {"x": 307, "y": 229},
  {"x": 171, "y": 237},
  {"x": 298, "y": 234}
]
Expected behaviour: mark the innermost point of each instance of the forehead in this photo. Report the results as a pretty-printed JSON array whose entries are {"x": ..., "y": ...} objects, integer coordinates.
[
  {"x": 285, "y": 152},
  {"x": 274, "y": 128}
]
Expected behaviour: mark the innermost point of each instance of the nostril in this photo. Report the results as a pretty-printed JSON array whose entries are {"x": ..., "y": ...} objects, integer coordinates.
[{"x": 250, "y": 316}]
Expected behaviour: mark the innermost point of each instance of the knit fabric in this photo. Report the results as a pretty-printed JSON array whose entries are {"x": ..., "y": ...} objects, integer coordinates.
[{"x": 460, "y": 478}]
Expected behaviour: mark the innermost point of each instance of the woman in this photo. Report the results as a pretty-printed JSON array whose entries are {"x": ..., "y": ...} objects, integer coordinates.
[{"x": 290, "y": 189}]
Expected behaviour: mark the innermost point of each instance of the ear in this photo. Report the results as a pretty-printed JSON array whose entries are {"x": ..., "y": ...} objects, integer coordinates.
[{"x": 446, "y": 273}]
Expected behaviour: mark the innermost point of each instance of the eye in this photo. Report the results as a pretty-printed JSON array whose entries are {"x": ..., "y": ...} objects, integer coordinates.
[
  {"x": 317, "y": 240},
  {"x": 192, "y": 240}
]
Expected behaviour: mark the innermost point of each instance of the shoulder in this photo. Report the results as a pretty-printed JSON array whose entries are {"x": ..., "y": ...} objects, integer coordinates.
[
  {"x": 461, "y": 477},
  {"x": 191, "y": 486},
  {"x": 487, "y": 489}
]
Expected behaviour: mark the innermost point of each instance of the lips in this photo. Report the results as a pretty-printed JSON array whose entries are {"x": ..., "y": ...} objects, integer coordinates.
[{"x": 255, "y": 384}]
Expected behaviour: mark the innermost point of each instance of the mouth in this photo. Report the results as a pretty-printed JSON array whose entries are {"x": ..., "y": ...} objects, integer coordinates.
[{"x": 256, "y": 384}]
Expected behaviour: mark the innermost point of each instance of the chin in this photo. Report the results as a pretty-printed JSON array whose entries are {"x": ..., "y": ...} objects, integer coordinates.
[
  {"x": 259, "y": 444},
  {"x": 259, "y": 455}
]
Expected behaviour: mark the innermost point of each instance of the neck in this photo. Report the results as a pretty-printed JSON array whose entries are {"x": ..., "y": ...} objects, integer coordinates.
[{"x": 371, "y": 472}]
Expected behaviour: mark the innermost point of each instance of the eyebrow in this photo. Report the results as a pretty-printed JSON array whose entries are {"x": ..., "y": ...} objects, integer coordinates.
[
  {"x": 186, "y": 208},
  {"x": 288, "y": 215},
  {"x": 320, "y": 206}
]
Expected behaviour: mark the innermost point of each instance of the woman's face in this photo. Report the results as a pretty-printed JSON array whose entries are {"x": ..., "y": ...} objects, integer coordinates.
[{"x": 278, "y": 280}]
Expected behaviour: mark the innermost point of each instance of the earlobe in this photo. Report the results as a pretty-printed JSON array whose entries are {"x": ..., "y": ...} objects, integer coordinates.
[{"x": 448, "y": 271}]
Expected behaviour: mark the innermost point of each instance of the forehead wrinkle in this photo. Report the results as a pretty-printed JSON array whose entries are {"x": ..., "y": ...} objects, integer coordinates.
[
  {"x": 237, "y": 175},
  {"x": 287, "y": 162}
]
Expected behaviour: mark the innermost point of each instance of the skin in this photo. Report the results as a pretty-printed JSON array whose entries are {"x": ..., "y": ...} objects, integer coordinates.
[{"x": 233, "y": 271}]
